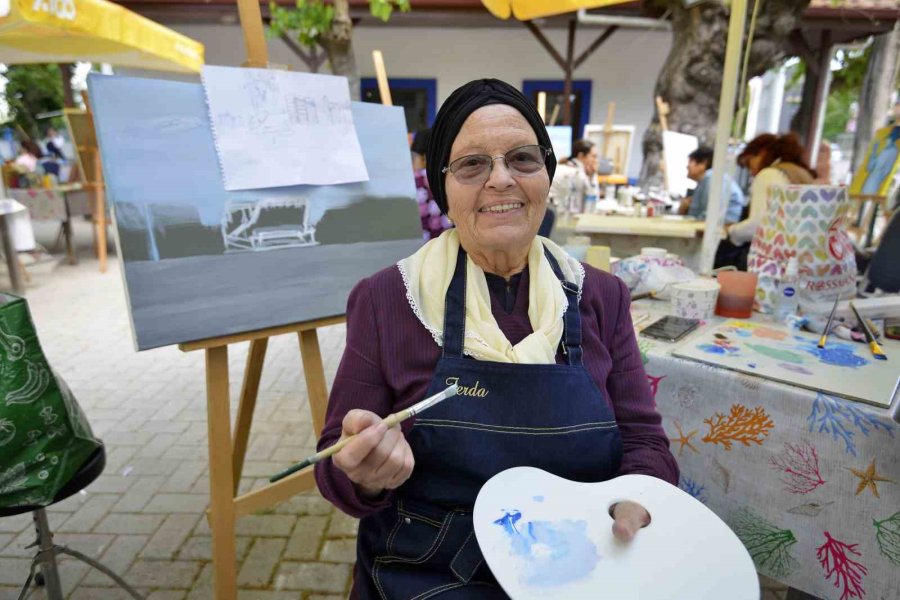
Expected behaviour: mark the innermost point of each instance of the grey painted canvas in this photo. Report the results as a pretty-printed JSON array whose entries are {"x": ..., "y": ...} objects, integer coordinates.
[{"x": 202, "y": 262}]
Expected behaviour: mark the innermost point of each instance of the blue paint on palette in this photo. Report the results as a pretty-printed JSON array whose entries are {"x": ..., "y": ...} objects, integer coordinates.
[
  {"x": 837, "y": 354},
  {"x": 555, "y": 552},
  {"x": 538, "y": 498},
  {"x": 716, "y": 349}
]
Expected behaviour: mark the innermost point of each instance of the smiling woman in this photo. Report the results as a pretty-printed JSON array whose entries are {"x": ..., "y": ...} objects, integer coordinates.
[{"x": 541, "y": 345}]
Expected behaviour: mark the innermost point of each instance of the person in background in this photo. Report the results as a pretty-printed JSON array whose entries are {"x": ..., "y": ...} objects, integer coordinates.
[
  {"x": 771, "y": 160},
  {"x": 54, "y": 143},
  {"x": 542, "y": 346},
  {"x": 575, "y": 179},
  {"x": 700, "y": 170},
  {"x": 29, "y": 157},
  {"x": 433, "y": 222}
]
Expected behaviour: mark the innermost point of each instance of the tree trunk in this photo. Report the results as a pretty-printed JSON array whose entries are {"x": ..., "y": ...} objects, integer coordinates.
[
  {"x": 691, "y": 78},
  {"x": 65, "y": 73},
  {"x": 875, "y": 95},
  {"x": 338, "y": 46}
]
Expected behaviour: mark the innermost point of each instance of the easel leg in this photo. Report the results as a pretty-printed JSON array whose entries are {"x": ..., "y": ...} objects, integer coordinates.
[
  {"x": 316, "y": 388},
  {"x": 221, "y": 475},
  {"x": 249, "y": 392},
  {"x": 100, "y": 216}
]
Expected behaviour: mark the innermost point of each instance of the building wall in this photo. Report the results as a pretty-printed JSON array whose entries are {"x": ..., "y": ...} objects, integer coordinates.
[{"x": 623, "y": 70}]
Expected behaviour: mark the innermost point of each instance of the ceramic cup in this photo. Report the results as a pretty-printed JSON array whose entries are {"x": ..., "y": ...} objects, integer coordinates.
[{"x": 695, "y": 299}]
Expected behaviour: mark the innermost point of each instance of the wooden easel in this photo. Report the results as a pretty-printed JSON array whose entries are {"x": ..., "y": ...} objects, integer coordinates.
[
  {"x": 81, "y": 126},
  {"x": 227, "y": 446}
]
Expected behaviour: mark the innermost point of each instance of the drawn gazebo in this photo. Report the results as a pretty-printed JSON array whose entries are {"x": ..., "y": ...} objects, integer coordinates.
[{"x": 241, "y": 228}]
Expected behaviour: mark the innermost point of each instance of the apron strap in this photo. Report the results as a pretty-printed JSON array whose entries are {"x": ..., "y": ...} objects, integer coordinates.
[
  {"x": 455, "y": 309},
  {"x": 571, "y": 339}
]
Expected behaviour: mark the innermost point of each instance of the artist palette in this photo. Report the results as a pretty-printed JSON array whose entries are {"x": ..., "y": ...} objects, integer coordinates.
[{"x": 544, "y": 536}]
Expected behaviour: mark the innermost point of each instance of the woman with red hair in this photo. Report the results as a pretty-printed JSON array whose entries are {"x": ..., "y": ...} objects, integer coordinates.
[{"x": 771, "y": 160}]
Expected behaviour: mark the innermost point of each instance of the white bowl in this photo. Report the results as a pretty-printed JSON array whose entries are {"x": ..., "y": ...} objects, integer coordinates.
[{"x": 695, "y": 299}]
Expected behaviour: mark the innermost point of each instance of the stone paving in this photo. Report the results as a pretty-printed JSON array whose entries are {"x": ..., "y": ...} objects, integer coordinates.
[{"x": 144, "y": 516}]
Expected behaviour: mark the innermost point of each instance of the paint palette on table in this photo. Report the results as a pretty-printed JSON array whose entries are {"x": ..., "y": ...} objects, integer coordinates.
[
  {"x": 545, "y": 536},
  {"x": 841, "y": 368}
]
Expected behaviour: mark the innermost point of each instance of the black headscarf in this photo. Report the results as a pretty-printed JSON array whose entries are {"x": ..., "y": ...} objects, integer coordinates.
[{"x": 457, "y": 108}]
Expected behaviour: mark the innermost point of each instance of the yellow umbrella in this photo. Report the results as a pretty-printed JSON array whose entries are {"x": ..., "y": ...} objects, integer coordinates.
[
  {"x": 64, "y": 31},
  {"x": 525, "y": 10}
]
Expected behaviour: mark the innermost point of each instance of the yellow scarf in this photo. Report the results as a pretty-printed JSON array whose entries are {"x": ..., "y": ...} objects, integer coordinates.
[{"x": 427, "y": 275}]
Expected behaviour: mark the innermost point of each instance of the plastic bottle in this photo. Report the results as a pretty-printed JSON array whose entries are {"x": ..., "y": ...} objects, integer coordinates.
[{"x": 788, "y": 291}]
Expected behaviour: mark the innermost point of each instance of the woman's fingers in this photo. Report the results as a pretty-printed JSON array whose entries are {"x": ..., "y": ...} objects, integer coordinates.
[
  {"x": 628, "y": 517},
  {"x": 377, "y": 457}
]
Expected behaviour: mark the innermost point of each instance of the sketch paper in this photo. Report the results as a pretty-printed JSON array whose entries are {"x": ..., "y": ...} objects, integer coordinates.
[
  {"x": 676, "y": 147},
  {"x": 546, "y": 537},
  {"x": 773, "y": 352},
  {"x": 278, "y": 128},
  {"x": 202, "y": 262}
]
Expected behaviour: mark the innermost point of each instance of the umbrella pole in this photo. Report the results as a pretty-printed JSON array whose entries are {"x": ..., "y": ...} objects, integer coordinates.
[{"x": 715, "y": 217}]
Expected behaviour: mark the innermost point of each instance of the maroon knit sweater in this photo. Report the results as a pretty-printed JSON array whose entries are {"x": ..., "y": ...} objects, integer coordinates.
[{"x": 390, "y": 358}]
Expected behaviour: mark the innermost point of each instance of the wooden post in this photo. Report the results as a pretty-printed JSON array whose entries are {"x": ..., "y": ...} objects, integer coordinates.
[
  {"x": 607, "y": 130},
  {"x": 254, "y": 37},
  {"x": 542, "y": 106},
  {"x": 381, "y": 75},
  {"x": 567, "y": 85},
  {"x": 221, "y": 475}
]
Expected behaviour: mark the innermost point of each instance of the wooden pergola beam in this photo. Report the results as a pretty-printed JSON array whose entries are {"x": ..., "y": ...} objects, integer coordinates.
[
  {"x": 596, "y": 44},
  {"x": 537, "y": 33}
]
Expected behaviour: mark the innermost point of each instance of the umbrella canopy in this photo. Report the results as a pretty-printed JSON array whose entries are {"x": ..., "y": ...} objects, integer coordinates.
[
  {"x": 525, "y": 10},
  {"x": 64, "y": 31}
]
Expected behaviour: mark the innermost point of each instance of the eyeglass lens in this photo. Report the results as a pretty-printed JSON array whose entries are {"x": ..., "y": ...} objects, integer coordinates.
[{"x": 523, "y": 161}]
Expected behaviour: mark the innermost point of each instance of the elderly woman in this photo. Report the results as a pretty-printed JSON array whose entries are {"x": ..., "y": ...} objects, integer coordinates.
[{"x": 542, "y": 345}]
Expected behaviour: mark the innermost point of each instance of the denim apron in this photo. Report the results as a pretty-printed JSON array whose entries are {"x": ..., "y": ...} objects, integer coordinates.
[{"x": 550, "y": 416}]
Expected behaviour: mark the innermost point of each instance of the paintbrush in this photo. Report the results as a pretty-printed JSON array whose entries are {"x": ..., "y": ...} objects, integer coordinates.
[
  {"x": 390, "y": 421},
  {"x": 877, "y": 352},
  {"x": 830, "y": 321}
]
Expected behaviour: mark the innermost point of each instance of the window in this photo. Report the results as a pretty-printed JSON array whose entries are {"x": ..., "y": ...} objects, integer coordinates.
[
  {"x": 581, "y": 101},
  {"x": 416, "y": 96}
]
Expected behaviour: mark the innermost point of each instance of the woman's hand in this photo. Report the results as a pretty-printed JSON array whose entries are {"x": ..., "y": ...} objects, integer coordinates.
[
  {"x": 628, "y": 518},
  {"x": 376, "y": 459}
]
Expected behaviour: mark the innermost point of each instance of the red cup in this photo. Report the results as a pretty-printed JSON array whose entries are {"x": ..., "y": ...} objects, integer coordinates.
[{"x": 737, "y": 294}]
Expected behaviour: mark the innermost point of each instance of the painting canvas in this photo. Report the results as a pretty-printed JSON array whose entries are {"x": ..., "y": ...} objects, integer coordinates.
[
  {"x": 202, "y": 262},
  {"x": 676, "y": 148},
  {"x": 841, "y": 368},
  {"x": 547, "y": 537},
  {"x": 876, "y": 172},
  {"x": 620, "y": 141}
]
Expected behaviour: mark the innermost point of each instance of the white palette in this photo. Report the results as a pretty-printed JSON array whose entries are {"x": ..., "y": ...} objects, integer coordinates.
[{"x": 543, "y": 536}]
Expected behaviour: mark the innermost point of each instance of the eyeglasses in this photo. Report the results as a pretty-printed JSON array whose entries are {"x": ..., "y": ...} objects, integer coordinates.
[{"x": 475, "y": 169}]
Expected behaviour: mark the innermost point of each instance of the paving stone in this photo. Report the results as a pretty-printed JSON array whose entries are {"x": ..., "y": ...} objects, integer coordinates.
[
  {"x": 129, "y": 524},
  {"x": 118, "y": 556},
  {"x": 186, "y": 475},
  {"x": 101, "y": 593},
  {"x": 200, "y": 548},
  {"x": 265, "y": 525},
  {"x": 342, "y": 551},
  {"x": 176, "y": 574},
  {"x": 15, "y": 524},
  {"x": 167, "y": 595},
  {"x": 307, "y": 504},
  {"x": 203, "y": 587},
  {"x": 342, "y": 525},
  {"x": 266, "y": 595},
  {"x": 318, "y": 577},
  {"x": 324, "y": 597},
  {"x": 140, "y": 492},
  {"x": 14, "y": 571},
  {"x": 91, "y": 512},
  {"x": 177, "y": 503},
  {"x": 304, "y": 541},
  {"x": 170, "y": 536},
  {"x": 92, "y": 544},
  {"x": 261, "y": 562}
]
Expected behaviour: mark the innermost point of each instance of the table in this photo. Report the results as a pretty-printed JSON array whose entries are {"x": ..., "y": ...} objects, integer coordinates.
[
  {"x": 55, "y": 204},
  {"x": 625, "y": 236},
  {"x": 8, "y": 208},
  {"x": 810, "y": 482}
]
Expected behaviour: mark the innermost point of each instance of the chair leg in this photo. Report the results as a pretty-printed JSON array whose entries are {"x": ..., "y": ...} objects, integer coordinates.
[
  {"x": 100, "y": 567},
  {"x": 46, "y": 555}
]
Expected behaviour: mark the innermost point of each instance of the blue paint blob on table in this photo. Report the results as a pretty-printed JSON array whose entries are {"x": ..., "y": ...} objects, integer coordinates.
[
  {"x": 716, "y": 349},
  {"x": 538, "y": 498},
  {"x": 840, "y": 355},
  {"x": 555, "y": 552}
]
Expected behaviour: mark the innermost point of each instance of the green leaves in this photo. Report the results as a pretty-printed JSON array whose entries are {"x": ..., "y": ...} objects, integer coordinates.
[
  {"x": 383, "y": 9},
  {"x": 307, "y": 23},
  {"x": 313, "y": 18}
]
